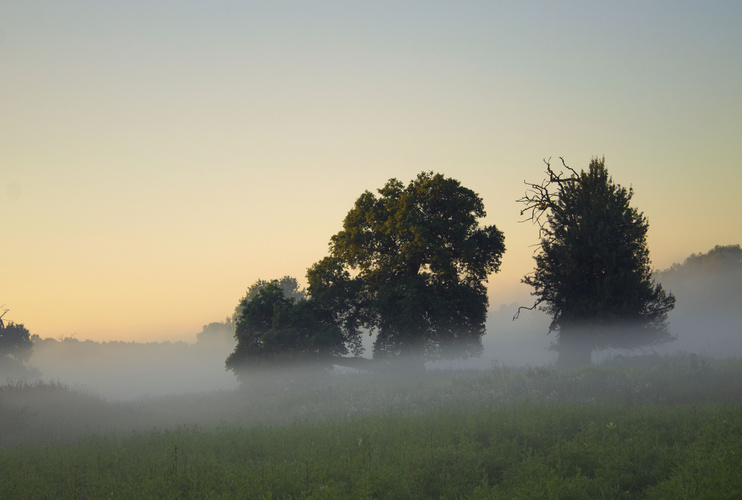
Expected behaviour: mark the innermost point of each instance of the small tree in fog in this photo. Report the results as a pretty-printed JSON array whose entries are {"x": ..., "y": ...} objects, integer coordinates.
[
  {"x": 15, "y": 349},
  {"x": 593, "y": 272},
  {"x": 273, "y": 329},
  {"x": 217, "y": 336},
  {"x": 411, "y": 264},
  {"x": 15, "y": 340}
]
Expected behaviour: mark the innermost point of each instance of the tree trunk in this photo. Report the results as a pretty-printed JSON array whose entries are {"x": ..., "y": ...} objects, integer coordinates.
[
  {"x": 575, "y": 351},
  {"x": 412, "y": 365}
]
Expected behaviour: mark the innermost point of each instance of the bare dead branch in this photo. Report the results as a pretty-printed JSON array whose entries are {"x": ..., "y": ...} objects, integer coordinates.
[
  {"x": 517, "y": 313},
  {"x": 534, "y": 306},
  {"x": 539, "y": 199},
  {"x": 574, "y": 173}
]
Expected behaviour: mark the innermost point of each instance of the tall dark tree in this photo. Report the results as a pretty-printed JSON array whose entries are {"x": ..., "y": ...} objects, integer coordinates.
[
  {"x": 411, "y": 264},
  {"x": 275, "y": 330},
  {"x": 593, "y": 272}
]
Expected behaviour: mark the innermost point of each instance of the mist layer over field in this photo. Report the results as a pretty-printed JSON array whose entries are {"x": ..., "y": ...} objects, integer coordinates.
[
  {"x": 126, "y": 371},
  {"x": 706, "y": 322},
  {"x": 129, "y": 370},
  {"x": 49, "y": 412},
  {"x": 118, "y": 388}
]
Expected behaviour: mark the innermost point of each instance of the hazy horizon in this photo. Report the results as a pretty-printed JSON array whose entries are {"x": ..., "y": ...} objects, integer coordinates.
[{"x": 127, "y": 371}]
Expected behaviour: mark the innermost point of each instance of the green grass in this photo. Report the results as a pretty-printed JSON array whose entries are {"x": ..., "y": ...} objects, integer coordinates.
[{"x": 672, "y": 430}]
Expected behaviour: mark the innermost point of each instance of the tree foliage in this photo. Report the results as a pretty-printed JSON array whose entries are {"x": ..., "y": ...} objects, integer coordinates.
[
  {"x": 411, "y": 264},
  {"x": 15, "y": 341},
  {"x": 287, "y": 284},
  {"x": 593, "y": 269},
  {"x": 274, "y": 329},
  {"x": 15, "y": 350}
]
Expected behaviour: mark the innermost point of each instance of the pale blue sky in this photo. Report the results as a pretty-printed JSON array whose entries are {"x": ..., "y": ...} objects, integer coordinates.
[{"x": 158, "y": 157}]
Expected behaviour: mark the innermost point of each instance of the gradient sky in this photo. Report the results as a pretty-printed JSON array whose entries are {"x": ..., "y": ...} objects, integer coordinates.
[{"x": 156, "y": 158}]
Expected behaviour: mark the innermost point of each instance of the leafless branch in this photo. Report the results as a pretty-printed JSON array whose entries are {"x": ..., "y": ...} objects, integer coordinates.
[
  {"x": 538, "y": 199},
  {"x": 517, "y": 313},
  {"x": 574, "y": 172},
  {"x": 534, "y": 306}
]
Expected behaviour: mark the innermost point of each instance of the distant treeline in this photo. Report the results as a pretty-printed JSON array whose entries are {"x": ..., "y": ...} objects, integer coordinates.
[{"x": 707, "y": 280}]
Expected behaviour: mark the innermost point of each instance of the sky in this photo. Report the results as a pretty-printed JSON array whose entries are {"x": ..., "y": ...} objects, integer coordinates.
[{"x": 156, "y": 158}]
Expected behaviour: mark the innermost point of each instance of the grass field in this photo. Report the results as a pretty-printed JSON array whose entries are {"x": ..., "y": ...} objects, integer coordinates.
[{"x": 669, "y": 430}]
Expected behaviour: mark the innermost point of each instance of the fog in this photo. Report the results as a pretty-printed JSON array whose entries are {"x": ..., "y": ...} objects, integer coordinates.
[
  {"x": 514, "y": 343},
  {"x": 708, "y": 331},
  {"x": 124, "y": 371},
  {"x": 116, "y": 388},
  {"x": 128, "y": 371},
  {"x": 706, "y": 322}
]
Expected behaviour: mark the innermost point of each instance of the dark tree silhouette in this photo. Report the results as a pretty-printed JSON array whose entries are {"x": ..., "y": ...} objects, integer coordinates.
[
  {"x": 593, "y": 272},
  {"x": 15, "y": 350},
  {"x": 275, "y": 330},
  {"x": 410, "y": 264},
  {"x": 288, "y": 284},
  {"x": 15, "y": 341}
]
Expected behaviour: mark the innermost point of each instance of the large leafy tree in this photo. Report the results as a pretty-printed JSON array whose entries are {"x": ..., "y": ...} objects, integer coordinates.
[
  {"x": 411, "y": 264},
  {"x": 593, "y": 272},
  {"x": 275, "y": 329}
]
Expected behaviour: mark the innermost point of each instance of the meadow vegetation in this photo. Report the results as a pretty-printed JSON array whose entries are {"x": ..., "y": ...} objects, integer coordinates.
[{"x": 670, "y": 429}]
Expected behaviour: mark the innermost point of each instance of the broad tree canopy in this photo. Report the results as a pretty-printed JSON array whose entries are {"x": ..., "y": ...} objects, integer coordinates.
[
  {"x": 411, "y": 263},
  {"x": 593, "y": 270}
]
